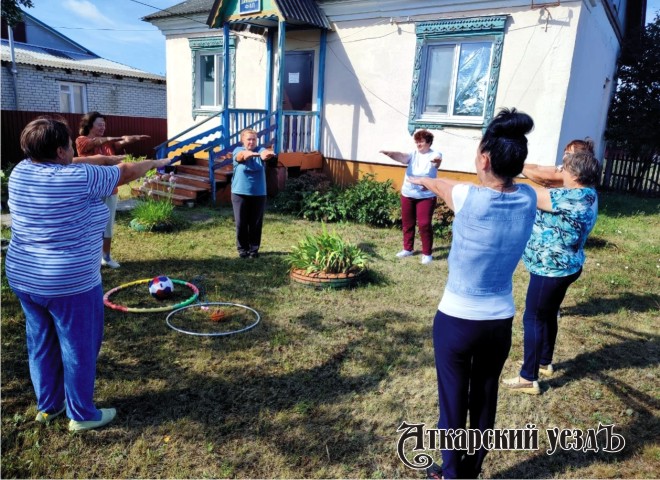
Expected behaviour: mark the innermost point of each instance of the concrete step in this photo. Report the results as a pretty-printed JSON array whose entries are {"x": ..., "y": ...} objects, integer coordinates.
[{"x": 178, "y": 200}]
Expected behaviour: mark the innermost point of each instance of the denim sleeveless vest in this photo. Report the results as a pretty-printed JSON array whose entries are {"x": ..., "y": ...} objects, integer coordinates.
[{"x": 489, "y": 235}]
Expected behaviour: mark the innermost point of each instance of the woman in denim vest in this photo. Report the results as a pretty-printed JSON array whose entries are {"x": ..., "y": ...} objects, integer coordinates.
[
  {"x": 472, "y": 327},
  {"x": 554, "y": 257}
]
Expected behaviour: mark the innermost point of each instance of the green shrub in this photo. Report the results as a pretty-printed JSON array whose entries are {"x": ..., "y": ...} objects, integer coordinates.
[
  {"x": 326, "y": 206},
  {"x": 327, "y": 252},
  {"x": 443, "y": 217},
  {"x": 373, "y": 202},
  {"x": 291, "y": 199}
]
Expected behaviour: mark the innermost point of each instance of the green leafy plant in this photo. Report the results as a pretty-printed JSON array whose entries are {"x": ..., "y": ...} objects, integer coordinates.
[
  {"x": 152, "y": 214},
  {"x": 443, "y": 217},
  {"x": 373, "y": 202},
  {"x": 292, "y": 198},
  {"x": 328, "y": 253},
  {"x": 327, "y": 206}
]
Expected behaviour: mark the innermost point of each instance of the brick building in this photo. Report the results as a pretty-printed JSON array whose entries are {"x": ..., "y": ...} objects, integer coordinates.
[{"x": 52, "y": 73}]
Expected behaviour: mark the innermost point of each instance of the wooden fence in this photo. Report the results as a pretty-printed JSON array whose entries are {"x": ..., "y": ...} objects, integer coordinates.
[
  {"x": 627, "y": 173},
  {"x": 13, "y": 123}
]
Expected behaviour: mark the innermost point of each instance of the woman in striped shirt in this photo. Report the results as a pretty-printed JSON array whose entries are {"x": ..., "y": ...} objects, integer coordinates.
[{"x": 52, "y": 264}]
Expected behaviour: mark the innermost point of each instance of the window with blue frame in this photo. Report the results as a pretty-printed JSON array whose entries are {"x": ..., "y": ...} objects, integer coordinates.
[
  {"x": 456, "y": 72},
  {"x": 208, "y": 75}
]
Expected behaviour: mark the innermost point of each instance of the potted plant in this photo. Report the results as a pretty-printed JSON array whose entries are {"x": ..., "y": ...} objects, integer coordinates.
[
  {"x": 151, "y": 215},
  {"x": 326, "y": 260}
]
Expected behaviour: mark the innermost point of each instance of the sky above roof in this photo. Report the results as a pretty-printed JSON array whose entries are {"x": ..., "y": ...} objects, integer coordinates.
[{"x": 114, "y": 30}]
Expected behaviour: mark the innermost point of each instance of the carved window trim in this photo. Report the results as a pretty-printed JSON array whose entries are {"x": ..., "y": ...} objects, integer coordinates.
[
  {"x": 455, "y": 30},
  {"x": 211, "y": 45}
]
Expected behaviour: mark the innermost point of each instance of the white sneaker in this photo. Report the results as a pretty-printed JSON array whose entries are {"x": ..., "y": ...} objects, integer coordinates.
[
  {"x": 107, "y": 416},
  {"x": 109, "y": 263},
  {"x": 404, "y": 253},
  {"x": 426, "y": 259}
]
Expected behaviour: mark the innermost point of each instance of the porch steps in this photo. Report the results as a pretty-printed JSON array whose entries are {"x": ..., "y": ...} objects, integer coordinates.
[
  {"x": 192, "y": 181},
  {"x": 142, "y": 192},
  {"x": 179, "y": 188},
  {"x": 203, "y": 171}
]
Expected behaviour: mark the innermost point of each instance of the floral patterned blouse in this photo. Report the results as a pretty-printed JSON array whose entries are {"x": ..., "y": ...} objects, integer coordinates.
[{"x": 556, "y": 247}]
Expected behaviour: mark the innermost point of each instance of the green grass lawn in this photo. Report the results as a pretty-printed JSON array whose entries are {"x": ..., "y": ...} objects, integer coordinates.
[{"x": 320, "y": 386}]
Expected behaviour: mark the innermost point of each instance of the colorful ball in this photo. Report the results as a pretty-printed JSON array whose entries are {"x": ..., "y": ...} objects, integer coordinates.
[{"x": 161, "y": 287}]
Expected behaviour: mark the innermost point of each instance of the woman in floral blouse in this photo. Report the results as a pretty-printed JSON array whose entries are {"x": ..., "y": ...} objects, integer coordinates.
[{"x": 554, "y": 256}]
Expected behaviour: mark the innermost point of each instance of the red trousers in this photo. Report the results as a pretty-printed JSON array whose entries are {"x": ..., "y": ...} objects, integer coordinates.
[{"x": 417, "y": 211}]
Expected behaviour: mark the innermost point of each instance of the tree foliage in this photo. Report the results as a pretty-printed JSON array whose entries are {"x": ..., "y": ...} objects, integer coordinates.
[
  {"x": 634, "y": 114},
  {"x": 11, "y": 10}
]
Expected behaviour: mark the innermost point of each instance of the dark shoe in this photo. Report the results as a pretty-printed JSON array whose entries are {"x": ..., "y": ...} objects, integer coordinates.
[
  {"x": 434, "y": 472},
  {"x": 254, "y": 254},
  {"x": 243, "y": 254}
]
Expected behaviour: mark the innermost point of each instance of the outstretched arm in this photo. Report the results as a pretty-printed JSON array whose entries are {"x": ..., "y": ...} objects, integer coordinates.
[
  {"x": 397, "y": 156},
  {"x": 267, "y": 153},
  {"x": 133, "y": 171},
  {"x": 244, "y": 155},
  {"x": 440, "y": 186},
  {"x": 128, "y": 139},
  {"x": 544, "y": 176}
]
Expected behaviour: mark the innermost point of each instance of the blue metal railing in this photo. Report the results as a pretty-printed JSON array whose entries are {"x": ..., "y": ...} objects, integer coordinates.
[
  {"x": 300, "y": 131},
  {"x": 216, "y": 135},
  {"x": 264, "y": 125}
]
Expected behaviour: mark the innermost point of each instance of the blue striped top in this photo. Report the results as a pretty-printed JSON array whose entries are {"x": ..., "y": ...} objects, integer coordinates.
[{"x": 58, "y": 218}]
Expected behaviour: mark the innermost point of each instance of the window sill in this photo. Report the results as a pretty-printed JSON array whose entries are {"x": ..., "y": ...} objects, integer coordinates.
[{"x": 441, "y": 124}]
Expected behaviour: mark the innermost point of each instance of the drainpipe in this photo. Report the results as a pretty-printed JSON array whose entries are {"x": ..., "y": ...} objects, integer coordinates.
[{"x": 14, "y": 70}]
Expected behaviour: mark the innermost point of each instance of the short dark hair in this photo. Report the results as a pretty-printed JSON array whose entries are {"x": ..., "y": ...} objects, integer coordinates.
[
  {"x": 87, "y": 121},
  {"x": 423, "y": 135},
  {"x": 583, "y": 166},
  {"x": 505, "y": 142},
  {"x": 41, "y": 138}
]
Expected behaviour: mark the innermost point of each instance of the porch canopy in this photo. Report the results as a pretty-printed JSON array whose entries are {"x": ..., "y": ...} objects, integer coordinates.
[
  {"x": 268, "y": 13},
  {"x": 276, "y": 16}
]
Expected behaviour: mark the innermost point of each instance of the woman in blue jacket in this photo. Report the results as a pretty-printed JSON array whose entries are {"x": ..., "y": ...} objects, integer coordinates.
[{"x": 472, "y": 327}]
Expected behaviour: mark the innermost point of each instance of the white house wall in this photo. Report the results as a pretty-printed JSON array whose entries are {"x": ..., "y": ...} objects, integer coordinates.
[
  {"x": 369, "y": 72},
  {"x": 178, "y": 66},
  {"x": 592, "y": 81},
  {"x": 251, "y": 71}
]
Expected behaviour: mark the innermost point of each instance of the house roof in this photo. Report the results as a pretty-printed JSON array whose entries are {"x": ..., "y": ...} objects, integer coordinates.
[
  {"x": 27, "y": 54},
  {"x": 188, "y": 7},
  {"x": 298, "y": 13},
  {"x": 295, "y": 12}
]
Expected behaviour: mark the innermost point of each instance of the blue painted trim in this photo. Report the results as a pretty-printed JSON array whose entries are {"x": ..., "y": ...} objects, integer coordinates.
[
  {"x": 225, "y": 77},
  {"x": 454, "y": 30},
  {"x": 269, "y": 71},
  {"x": 281, "y": 44},
  {"x": 320, "y": 92},
  {"x": 211, "y": 44}
]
